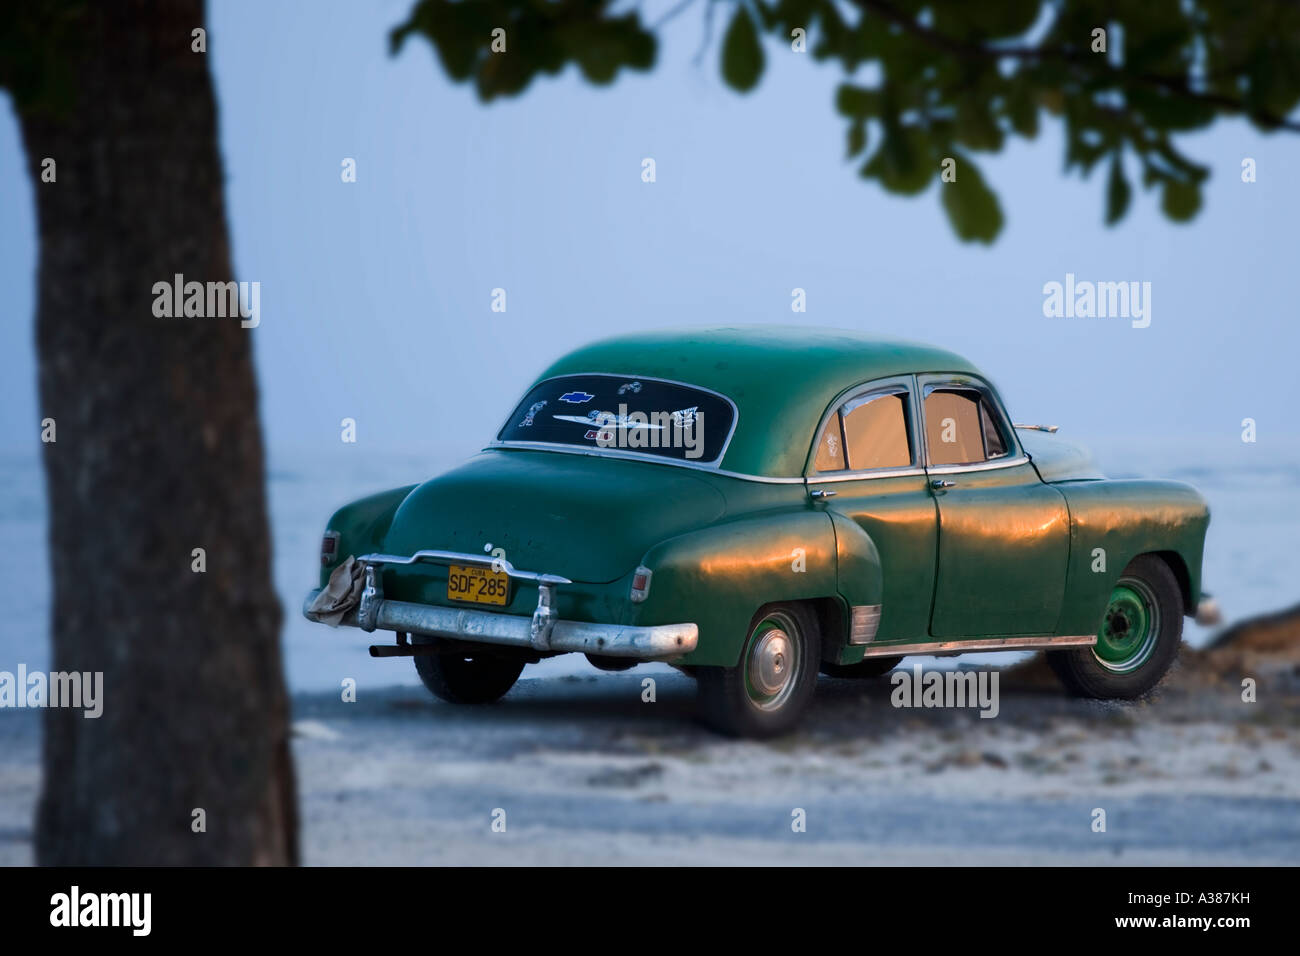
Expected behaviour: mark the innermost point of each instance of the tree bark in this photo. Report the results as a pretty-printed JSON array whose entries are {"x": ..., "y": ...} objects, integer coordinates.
[{"x": 158, "y": 452}]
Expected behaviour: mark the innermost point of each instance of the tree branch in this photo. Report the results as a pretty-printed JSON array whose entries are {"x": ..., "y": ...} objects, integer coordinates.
[
  {"x": 677, "y": 8},
  {"x": 972, "y": 50}
]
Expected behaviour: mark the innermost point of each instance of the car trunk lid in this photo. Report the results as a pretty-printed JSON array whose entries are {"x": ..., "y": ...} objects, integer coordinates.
[{"x": 585, "y": 517}]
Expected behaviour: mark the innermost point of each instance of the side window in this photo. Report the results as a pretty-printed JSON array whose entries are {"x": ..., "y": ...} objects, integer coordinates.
[
  {"x": 994, "y": 446},
  {"x": 830, "y": 447},
  {"x": 961, "y": 427},
  {"x": 867, "y": 432},
  {"x": 875, "y": 431}
]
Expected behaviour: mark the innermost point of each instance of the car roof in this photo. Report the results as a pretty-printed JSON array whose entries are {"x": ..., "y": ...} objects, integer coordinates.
[{"x": 782, "y": 378}]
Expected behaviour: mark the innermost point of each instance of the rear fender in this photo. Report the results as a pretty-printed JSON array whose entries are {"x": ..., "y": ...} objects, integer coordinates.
[
  {"x": 718, "y": 577},
  {"x": 361, "y": 526},
  {"x": 860, "y": 580}
]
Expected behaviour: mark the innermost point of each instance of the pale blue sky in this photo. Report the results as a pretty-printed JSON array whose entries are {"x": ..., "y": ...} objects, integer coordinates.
[{"x": 376, "y": 295}]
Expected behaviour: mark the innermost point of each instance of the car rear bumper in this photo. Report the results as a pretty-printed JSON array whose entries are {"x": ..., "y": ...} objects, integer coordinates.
[{"x": 659, "y": 642}]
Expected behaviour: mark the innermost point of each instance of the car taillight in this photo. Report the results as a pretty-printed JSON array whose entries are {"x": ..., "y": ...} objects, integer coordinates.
[
  {"x": 640, "y": 585},
  {"x": 329, "y": 548}
]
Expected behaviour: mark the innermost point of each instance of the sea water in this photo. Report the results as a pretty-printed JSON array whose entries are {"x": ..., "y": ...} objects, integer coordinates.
[{"x": 1251, "y": 560}]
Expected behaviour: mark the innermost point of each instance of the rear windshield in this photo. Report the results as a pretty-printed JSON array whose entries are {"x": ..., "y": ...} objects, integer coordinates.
[{"x": 641, "y": 415}]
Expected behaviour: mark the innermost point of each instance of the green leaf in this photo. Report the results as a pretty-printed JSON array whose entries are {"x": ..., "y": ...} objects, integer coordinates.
[
  {"x": 836, "y": 39},
  {"x": 1006, "y": 18},
  {"x": 972, "y": 208},
  {"x": 976, "y": 127},
  {"x": 962, "y": 18},
  {"x": 742, "y": 55},
  {"x": 1170, "y": 112},
  {"x": 1022, "y": 109},
  {"x": 1181, "y": 200},
  {"x": 1052, "y": 100},
  {"x": 857, "y": 102},
  {"x": 904, "y": 164},
  {"x": 857, "y": 137},
  {"x": 1118, "y": 191},
  {"x": 604, "y": 47}
]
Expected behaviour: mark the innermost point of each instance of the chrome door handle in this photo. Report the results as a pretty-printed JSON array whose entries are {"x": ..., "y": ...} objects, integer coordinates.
[
  {"x": 820, "y": 493},
  {"x": 940, "y": 483}
]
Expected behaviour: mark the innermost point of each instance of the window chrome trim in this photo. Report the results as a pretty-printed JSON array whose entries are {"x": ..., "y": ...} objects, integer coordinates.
[
  {"x": 619, "y": 453},
  {"x": 890, "y": 385},
  {"x": 991, "y": 465},
  {"x": 1015, "y": 453},
  {"x": 825, "y": 476},
  {"x": 722, "y": 453}
]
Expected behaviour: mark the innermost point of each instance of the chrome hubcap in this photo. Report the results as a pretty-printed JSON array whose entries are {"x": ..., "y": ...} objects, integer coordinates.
[
  {"x": 769, "y": 665},
  {"x": 772, "y": 665}
]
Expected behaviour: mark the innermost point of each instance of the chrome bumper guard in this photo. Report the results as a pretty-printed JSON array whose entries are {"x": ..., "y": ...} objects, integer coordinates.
[
  {"x": 1208, "y": 613},
  {"x": 543, "y": 631}
]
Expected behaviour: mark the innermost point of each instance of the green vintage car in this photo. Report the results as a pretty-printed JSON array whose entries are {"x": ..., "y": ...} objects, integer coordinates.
[{"x": 758, "y": 505}]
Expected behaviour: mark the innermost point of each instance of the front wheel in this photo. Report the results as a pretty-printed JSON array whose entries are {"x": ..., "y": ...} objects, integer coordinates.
[
  {"x": 769, "y": 689},
  {"x": 1139, "y": 637},
  {"x": 468, "y": 678}
]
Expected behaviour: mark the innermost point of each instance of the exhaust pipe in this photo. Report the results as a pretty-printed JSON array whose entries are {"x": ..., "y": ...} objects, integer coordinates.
[{"x": 404, "y": 648}]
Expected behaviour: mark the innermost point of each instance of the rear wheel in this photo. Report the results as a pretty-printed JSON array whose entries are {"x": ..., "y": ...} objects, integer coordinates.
[
  {"x": 1141, "y": 630},
  {"x": 769, "y": 689},
  {"x": 468, "y": 678}
]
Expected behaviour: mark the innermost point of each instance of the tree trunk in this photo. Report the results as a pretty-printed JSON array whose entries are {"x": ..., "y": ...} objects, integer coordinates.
[{"x": 158, "y": 452}]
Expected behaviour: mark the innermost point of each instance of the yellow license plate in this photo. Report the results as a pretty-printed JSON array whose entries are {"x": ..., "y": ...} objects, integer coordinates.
[{"x": 477, "y": 585}]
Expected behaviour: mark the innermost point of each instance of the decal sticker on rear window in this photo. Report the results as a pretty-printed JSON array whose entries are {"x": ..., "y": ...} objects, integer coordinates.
[{"x": 532, "y": 412}]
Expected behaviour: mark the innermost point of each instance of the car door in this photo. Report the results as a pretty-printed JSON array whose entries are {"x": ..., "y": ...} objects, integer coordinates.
[
  {"x": 868, "y": 457},
  {"x": 1004, "y": 535}
]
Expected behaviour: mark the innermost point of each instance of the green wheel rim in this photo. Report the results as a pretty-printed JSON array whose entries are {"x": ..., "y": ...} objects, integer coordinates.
[
  {"x": 772, "y": 662},
  {"x": 1129, "y": 628}
]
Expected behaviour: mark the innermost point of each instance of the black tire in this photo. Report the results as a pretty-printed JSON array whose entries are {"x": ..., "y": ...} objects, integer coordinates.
[
  {"x": 1086, "y": 671},
  {"x": 764, "y": 694},
  {"x": 468, "y": 679},
  {"x": 868, "y": 667},
  {"x": 615, "y": 664}
]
